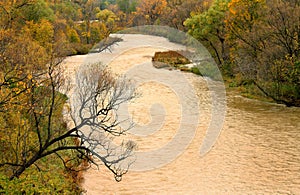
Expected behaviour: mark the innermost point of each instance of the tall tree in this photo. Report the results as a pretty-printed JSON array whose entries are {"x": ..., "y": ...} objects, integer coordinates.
[
  {"x": 149, "y": 11},
  {"x": 107, "y": 22},
  {"x": 209, "y": 28},
  {"x": 88, "y": 14},
  {"x": 127, "y": 6},
  {"x": 178, "y": 11},
  {"x": 32, "y": 99},
  {"x": 11, "y": 11},
  {"x": 266, "y": 37}
]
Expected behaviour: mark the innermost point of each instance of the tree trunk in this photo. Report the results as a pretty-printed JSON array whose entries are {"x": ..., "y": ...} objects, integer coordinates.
[{"x": 25, "y": 166}]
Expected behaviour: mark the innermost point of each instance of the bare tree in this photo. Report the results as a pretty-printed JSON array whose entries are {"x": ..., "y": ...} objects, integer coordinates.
[
  {"x": 33, "y": 99},
  {"x": 43, "y": 131},
  {"x": 94, "y": 104},
  {"x": 106, "y": 44}
]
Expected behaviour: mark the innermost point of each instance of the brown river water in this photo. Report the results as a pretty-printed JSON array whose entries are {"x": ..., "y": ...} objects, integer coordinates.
[{"x": 257, "y": 151}]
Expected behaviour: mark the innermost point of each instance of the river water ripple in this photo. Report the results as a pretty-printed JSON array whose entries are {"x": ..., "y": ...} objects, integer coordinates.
[{"x": 257, "y": 152}]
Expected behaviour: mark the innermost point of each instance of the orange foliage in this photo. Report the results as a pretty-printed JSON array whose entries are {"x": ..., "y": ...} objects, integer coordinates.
[{"x": 151, "y": 9}]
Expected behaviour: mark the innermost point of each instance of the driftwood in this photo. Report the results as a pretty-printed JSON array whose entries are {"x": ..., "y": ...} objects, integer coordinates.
[{"x": 106, "y": 44}]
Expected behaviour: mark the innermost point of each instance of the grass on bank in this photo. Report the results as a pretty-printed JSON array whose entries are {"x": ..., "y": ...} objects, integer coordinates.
[
  {"x": 48, "y": 177},
  {"x": 173, "y": 59}
]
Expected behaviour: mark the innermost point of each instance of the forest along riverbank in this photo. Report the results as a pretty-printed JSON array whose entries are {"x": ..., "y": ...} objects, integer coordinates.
[{"x": 258, "y": 150}]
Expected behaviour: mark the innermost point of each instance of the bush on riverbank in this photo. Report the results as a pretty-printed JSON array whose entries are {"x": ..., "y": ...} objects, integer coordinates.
[
  {"x": 48, "y": 177},
  {"x": 52, "y": 174},
  {"x": 171, "y": 58}
]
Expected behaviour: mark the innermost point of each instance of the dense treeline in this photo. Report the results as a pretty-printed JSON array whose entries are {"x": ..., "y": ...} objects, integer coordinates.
[
  {"x": 255, "y": 43},
  {"x": 34, "y": 38},
  {"x": 35, "y": 140}
]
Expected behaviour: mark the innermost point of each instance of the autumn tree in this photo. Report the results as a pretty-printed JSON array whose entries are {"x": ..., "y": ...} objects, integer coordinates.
[
  {"x": 149, "y": 11},
  {"x": 267, "y": 46},
  {"x": 40, "y": 131},
  {"x": 38, "y": 10},
  {"x": 67, "y": 10},
  {"x": 33, "y": 98},
  {"x": 88, "y": 14},
  {"x": 177, "y": 12},
  {"x": 107, "y": 21},
  {"x": 10, "y": 11},
  {"x": 127, "y": 6},
  {"x": 209, "y": 28},
  {"x": 125, "y": 11}
]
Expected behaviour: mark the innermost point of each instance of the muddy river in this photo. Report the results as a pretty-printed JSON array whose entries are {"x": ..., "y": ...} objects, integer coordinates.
[{"x": 257, "y": 151}]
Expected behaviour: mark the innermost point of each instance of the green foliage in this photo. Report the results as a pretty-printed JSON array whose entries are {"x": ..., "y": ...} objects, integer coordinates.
[
  {"x": 34, "y": 139},
  {"x": 256, "y": 41},
  {"x": 104, "y": 4},
  {"x": 27, "y": 53},
  {"x": 209, "y": 69},
  {"x": 127, "y": 6},
  {"x": 67, "y": 10},
  {"x": 209, "y": 28},
  {"x": 196, "y": 71},
  {"x": 17, "y": 133},
  {"x": 38, "y": 11},
  {"x": 43, "y": 181},
  {"x": 209, "y": 23},
  {"x": 42, "y": 32},
  {"x": 80, "y": 49},
  {"x": 73, "y": 36}
]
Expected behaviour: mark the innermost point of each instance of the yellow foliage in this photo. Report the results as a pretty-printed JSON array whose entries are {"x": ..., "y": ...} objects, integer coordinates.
[
  {"x": 151, "y": 9},
  {"x": 42, "y": 32}
]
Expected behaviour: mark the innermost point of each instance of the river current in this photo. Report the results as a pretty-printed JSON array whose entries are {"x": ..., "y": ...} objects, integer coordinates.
[{"x": 257, "y": 151}]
